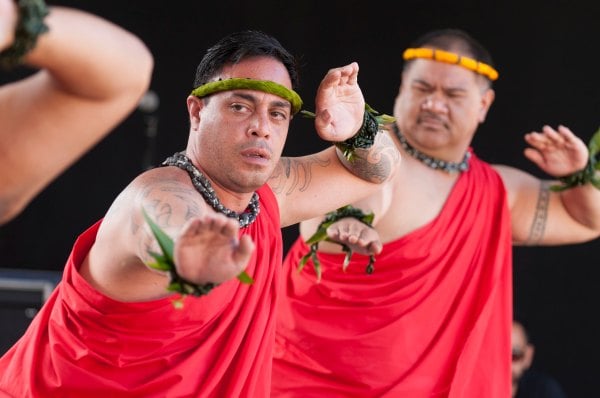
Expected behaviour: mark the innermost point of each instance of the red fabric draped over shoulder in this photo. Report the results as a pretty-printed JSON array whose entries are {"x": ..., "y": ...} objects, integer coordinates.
[
  {"x": 84, "y": 344},
  {"x": 433, "y": 320}
]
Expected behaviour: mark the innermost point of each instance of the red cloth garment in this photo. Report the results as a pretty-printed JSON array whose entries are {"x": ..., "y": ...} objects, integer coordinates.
[
  {"x": 84, "y": 344},
  {"x": 432, "y": 320}
]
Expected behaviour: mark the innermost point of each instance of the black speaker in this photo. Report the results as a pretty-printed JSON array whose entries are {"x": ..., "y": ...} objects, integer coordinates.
[{"x": 22, "y": 293}]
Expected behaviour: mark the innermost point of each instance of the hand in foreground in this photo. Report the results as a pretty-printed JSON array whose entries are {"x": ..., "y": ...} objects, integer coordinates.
[
  {"x": 208, "y": 249},
  {"x": 358, "y": 236},
  {"x": 8, "y": 22},
  {"x": 348, "y": 234},
  {"x": 340, "y": 104},
  {"x": 557, "y": 152}
]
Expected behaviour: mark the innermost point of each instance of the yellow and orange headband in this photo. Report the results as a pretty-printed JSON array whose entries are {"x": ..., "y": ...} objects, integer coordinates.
[{"x": 451, "y": 58}]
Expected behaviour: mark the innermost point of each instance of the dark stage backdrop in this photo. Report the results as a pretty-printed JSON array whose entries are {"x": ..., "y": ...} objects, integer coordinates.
[{"x": 546, "y": 56}]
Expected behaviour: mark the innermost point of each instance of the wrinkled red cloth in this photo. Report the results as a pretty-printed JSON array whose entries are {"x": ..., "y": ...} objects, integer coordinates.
[
  {"x": 433, "y": 320},
  {"x": 84, "y": 344}
]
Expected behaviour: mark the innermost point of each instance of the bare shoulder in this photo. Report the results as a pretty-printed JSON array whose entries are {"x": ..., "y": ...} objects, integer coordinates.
[
  {"x": 509, "y": 174},
  {"x": 518, "y": 183},
  {"x": 165, "y": 193},
  {"x": 124, "y": 241}
]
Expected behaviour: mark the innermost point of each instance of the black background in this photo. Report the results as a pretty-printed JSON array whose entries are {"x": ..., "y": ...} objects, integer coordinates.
[{"x": 546, "y": 53}]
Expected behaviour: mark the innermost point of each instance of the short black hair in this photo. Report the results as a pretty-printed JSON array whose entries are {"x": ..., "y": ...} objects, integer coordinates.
[{"x": 240, "y": 45}]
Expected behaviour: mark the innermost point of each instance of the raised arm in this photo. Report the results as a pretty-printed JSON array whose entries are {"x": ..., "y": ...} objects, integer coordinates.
[
  {"x": 92, "y": 73},
  {"x": 364, "y": 156},
  {"x": 541, "y": 215},
  {"x": 206, "y": 244}
]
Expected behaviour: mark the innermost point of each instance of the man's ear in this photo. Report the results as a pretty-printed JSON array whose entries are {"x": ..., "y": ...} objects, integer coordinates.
[
  {"x": 194, "y": 105},
  {"x": 487, "y": 99}
]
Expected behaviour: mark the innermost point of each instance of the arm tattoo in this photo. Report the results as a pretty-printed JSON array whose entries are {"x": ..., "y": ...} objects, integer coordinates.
[
  {"x": 376, "y": 163},
  {"x": 538, "y": 226},
  {"x": 162, "y": 209},
  {"x": 291, "y": 175}
]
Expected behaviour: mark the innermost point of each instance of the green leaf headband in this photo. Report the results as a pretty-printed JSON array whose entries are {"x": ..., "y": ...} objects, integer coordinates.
[{"x": 250, "y": 84}]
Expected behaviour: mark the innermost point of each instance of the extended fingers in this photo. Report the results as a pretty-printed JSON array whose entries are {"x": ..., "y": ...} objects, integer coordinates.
[
  {"x": 349, "y": 73},
  {"x": 557, "y": 151},
  {"x": 211, "y": 222},
  {"x": 362, "y": 237},
  {"x": 343, "y": 75},
  {"x": 567, "y": 134},
  {"x": 552, "y": 138},
  {"x": 547, "y": 138}
]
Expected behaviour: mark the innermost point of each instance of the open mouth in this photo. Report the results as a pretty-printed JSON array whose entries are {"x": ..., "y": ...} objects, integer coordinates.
[{"x": 257, "y": 153}]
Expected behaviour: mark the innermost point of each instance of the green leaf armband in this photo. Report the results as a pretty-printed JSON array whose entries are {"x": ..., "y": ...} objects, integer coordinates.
[
  {"x": 365, "y": 137},
  {"x": 29, "y": 27},
  {"x": 321, "y": 235},
  {"x": 164, "y": 262},
  {"x": 588, "y": 174}
]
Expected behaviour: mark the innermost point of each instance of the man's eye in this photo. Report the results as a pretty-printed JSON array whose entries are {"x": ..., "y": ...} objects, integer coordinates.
[
  {"x": 279, "y": 115},
  {"x": 238, "y": 107}
]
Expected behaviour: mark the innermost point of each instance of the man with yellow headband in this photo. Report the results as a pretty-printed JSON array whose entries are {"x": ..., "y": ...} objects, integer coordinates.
[
  {"x": 117, "y": 327},
  {"x": 433, "y": 316}
]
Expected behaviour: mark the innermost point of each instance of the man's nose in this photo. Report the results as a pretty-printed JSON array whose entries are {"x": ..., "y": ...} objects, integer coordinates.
[
  {"x": 434, "y": 104},
  {"x": 259, "y": 125}
]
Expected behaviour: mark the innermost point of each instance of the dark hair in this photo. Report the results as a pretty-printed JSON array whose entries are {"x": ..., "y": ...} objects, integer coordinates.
[
  {"x": 240, "y": 45},
  {"x": 454, "y": 40}
]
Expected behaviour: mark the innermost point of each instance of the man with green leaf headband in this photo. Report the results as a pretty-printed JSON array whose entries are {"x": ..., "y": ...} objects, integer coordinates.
[{"x": 173, "y": 292}]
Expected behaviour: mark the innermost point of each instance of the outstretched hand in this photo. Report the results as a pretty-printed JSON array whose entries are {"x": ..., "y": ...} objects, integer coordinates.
[
  {"x": 340, "y": 104},
  {"x": 358, "y": 236},
  {"x": 208, "y": 249},
  {"x": 557, "y": 152}
]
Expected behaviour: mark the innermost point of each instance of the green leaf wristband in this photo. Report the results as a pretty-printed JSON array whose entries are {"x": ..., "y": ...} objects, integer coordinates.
[
  {"x": 321, "y": 235},
  {"x": 365, "y": 137},
  {"x": 164, "y": 262},
  {"x": 588, "y": 173},
  {"x": 29, "y": 27}
]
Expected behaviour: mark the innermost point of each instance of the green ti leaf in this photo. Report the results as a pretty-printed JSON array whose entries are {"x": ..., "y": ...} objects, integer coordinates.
[
  {"x": 347, "y": 257},
  {"x": 320, "y": 235},
  {"x": 160, "y": 263},
  {"x": 164, "y": 241},
  {"x": 303, "y": 261},
  {"x": 317, "y": 265},
  {"x": 594, "y": 146},
  {"x": 308, "y": 114},
  {"x": 245, "y": 278}
]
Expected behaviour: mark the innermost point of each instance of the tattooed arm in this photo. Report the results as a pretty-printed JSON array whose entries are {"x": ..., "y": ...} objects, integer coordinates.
[
  {"x": 313, "y": 185},
  {"x": 207, "y": 248},
  {"x": 543, "y": 217}
]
